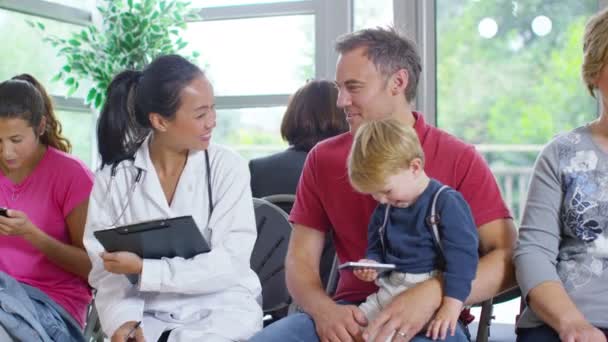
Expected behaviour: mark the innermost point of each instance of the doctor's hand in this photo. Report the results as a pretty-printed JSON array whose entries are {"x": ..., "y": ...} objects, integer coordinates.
[
  {"x": 17, "y": 224},
  {"x": 122, "y": 333},
  {"x": 122, "y": 262}
]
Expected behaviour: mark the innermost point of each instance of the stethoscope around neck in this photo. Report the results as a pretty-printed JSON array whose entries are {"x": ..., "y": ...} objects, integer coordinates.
[{"x": 137, "y": 181}]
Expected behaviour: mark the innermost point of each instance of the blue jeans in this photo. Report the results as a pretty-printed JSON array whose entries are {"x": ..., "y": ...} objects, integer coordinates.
[
  {"x": 300, "y": 327},
  {"x": 28, "y": 314},
  {"x": 543, "y": 333}
]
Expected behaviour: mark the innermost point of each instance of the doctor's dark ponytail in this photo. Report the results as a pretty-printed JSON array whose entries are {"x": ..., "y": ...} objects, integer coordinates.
[{"x": 132, "y": 95}]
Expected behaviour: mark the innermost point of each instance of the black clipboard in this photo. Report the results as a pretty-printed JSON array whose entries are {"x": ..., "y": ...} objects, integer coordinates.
[{"x": 156, "y": 239}]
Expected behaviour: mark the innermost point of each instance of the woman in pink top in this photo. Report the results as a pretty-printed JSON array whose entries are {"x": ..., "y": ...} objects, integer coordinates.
[{"x": 46, "y": 191}]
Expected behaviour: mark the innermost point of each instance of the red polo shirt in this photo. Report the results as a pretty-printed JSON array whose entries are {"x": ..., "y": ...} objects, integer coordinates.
[{"x": 325, "y": 199}]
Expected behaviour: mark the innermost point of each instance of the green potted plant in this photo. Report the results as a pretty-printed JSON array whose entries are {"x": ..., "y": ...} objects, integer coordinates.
[{"x": 132, "y": 34}]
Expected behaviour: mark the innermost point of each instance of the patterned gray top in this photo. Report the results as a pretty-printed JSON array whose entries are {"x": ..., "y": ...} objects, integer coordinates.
[{"x": 564, "y": 229}]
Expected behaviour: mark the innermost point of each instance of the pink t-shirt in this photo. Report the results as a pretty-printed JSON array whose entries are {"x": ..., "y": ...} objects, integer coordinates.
[{"x": 58, "y": 184}]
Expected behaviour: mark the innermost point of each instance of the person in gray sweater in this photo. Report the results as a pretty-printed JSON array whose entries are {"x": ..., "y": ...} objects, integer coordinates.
[{"x": 561, "y": 258}]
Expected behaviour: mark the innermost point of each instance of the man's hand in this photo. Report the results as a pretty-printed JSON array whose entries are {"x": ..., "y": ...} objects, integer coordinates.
[
  {"x": 339, "y": 323},
  {"x": 122, "y": 334},
  {"x": 581, "y": 331},
  {"x": 408, "y": 313},
  {"x": 445, "y": 318},
  {"x": 366, "y": 274},
  {"x": 122, "y": 262}
]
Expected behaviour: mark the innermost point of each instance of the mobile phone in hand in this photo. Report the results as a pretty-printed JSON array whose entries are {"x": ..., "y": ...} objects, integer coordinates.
[{"x": 377, "y": 266}]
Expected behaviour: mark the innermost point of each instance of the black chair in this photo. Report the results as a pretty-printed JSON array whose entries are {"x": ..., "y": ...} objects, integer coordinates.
[
  {"x": 92, "y": 329},
  {"x": 486, "y": 317},
  {"x": 268, "y": 258},
  {"x": 283, "y": 201}
]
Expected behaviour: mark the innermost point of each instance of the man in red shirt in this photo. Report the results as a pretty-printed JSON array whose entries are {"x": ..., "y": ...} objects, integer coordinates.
[{"x": 377, "y": 76}]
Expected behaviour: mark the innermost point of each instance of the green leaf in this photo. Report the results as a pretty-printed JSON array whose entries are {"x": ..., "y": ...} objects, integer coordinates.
[
  {"x": 67, "y": 68},
  {"x": 84, "y": 36},
  {"x": 57, "y": 77},
  {"x": 74, "y": 42},
  {"x": 70, "y": 81},
  {"x": 41, "y": 26},
  {"x": 130, "y": 2},
  {"x": 72, "y": 90},
  {"x": 196, "y": 54},
  {"x": 98, "y": 100},
  {"x": 91, "y": 95}
]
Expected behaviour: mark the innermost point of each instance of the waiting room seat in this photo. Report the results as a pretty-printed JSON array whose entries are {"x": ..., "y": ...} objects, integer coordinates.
[
  {"x": 502, "y": 332},
  {"x": 268, "y": 257},
  {"x": 283, "y": 201},
  {"x": 92, "y": 328}
]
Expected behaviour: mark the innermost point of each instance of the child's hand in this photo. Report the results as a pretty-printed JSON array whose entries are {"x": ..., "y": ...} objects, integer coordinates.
[
  {"x": 366, "y": 274},
  {"x": 446, "y": 317}
]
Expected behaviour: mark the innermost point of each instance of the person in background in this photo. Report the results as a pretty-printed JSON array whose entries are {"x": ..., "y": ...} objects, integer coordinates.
[
  {"x": 43, "y": 264},
  {"x": 561, "y": 257},
  {"x": 154, "y": 136},
  {"x": 311, "y": 116},
  {"x": 387, "y": 161}
]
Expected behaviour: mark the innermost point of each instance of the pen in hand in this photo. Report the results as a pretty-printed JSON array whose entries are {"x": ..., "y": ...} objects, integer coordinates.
[{"x": 131, "y": 334}]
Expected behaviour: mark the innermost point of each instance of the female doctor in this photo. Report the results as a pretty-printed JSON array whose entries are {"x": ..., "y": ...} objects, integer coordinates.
[{"x": 157, "y": 162}]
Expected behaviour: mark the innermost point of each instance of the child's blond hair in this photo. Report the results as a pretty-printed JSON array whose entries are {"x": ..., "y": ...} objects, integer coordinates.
[{"x": 381, "y": 149}]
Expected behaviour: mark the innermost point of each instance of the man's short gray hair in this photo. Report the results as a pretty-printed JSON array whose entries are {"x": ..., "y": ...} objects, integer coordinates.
[{"x": 389, "y": 50}]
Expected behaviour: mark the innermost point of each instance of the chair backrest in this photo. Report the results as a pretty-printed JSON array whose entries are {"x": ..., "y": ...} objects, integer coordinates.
[
  {"x": 268, "y": 256},
  {"x": 92, "y": 329},
  {"x": 283, "y": 201}
]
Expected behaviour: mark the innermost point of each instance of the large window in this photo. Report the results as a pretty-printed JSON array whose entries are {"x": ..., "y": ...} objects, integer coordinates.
[
  {"x": 218, "y": 3},
  {"x": 82, "y": 4},
  {"x": 78, "y": 128},
  {"x": 24, "y": 51},
  {"x": 259, "y": 56},
  {"x": 252, "y": 131},
  {"x": 508, "y": 80},
  {"x": 256, "y": 53},
  {"x": 372, "y": 13}
]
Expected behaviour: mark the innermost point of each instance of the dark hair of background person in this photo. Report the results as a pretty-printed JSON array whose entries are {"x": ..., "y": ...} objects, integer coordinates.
[
  {"x": 132, "y": 95},
  {"x": 24, "y": 97},
  {"x": 312, "y": 115}
]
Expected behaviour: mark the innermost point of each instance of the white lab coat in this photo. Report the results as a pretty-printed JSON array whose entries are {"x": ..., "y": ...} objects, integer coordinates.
[{"x": 212, "y": 297}]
